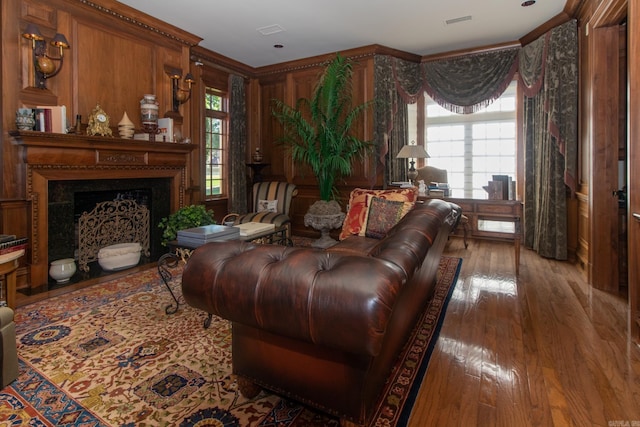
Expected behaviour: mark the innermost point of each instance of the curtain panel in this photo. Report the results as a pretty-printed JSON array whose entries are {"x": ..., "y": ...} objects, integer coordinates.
[
  {"x": 550, "y": 79},
  {"x": 391, "y": 117},
  {"x": 237, "y": 144}
]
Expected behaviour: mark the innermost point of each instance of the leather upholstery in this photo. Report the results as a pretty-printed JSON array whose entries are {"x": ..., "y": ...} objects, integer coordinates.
[{"x": 323, "y": 327}]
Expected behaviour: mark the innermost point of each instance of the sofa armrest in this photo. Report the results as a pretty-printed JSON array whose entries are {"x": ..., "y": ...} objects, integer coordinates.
[
  {"x": 334, "y": 300},
  {"x": 6, "y": 316}
]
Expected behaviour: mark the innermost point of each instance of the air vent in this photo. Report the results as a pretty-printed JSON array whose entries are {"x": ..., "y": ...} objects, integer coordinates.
[
  {"x": 456, "y": 20},
  {"x": 270, "y": 29}
]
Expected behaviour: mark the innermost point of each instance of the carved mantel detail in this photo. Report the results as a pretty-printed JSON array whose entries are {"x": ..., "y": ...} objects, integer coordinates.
[{"x": 54, "y": 157}]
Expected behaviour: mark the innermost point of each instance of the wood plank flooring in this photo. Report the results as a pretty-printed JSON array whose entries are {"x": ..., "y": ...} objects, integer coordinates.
[{"x": 540, "y": 349}]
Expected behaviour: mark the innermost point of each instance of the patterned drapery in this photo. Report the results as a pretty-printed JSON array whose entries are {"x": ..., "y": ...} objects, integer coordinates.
[
  {"x": 550, "y": 76},
  {"x": 390, "y": 119},
  {"x": 237, "y": 144},
  {"x": 469, "y": 83}
]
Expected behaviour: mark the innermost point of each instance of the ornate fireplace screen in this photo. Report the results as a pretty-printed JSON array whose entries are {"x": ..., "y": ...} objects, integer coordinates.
[{"x": 118, "y": 221}]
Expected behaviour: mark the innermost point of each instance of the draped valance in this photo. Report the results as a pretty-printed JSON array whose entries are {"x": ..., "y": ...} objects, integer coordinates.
[{"x": 463, "y": 85}]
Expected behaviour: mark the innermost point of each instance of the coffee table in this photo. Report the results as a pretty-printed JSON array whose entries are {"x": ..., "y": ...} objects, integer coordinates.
[{"x": 180, "y": 251}]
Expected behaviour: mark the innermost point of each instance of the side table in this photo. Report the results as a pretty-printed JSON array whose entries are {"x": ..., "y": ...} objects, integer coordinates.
[{"x": 8, "y": 268}]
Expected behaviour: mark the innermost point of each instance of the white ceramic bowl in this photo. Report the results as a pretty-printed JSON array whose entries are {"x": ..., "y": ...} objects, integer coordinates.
[
  {"x": 61, "y": 270},
  {"x": 119, "y": 256}
]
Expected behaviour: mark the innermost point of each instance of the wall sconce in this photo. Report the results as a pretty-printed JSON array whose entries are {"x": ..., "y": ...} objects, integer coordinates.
[
  {"x": 180, "y": 96},
  {"x": 43, "y": 64},
  {"x": 412, "y": 151}
]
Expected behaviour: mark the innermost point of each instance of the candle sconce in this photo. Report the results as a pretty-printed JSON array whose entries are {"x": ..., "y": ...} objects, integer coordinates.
[
  {"x": 43, "y": 63},
  {"x": 179, "y": 95}
]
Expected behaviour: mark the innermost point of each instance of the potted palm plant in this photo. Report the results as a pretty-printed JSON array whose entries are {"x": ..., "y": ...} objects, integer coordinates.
[{"x": 317, "y": 131}]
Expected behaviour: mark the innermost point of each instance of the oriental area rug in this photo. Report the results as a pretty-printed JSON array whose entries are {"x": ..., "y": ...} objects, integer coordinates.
[{"x": 109, "y": 355}]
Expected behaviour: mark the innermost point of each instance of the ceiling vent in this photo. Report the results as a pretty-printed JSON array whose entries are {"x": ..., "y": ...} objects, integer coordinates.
[
  {"x": 456, "y": 20},
  {"x": 270, "y": 29}
]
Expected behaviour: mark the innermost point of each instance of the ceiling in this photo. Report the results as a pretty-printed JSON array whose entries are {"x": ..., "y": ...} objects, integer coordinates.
[{"x": 247, "y": 30}]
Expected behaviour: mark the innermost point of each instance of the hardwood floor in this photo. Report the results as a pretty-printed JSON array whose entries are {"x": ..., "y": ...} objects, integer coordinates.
[{"x": 542, "y": 349}]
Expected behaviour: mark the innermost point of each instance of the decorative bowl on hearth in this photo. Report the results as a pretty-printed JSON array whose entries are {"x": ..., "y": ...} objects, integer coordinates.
[
  {"x": 61, "y": 270},
  {"x": 119, "y": 256}
]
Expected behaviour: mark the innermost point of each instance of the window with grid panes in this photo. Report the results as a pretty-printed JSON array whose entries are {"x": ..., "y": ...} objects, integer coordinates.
[
  {"x": 216, "y": 143},
  {"x": 471, "y": 147}
]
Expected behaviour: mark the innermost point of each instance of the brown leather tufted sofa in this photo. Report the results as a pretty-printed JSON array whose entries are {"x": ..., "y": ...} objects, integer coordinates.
[{"x": 323, "y": 327}]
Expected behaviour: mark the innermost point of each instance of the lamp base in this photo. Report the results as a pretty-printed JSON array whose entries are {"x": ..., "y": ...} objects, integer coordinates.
[{"x": 412, "y": 173}]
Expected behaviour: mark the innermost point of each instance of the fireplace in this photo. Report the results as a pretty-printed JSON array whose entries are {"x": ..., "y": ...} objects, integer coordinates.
[
  {"x": 70, "y": 199},
  {"x": 57, "y": 166}
]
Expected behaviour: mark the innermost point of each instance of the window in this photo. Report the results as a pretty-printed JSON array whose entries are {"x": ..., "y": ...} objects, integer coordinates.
[
  {"x": 471, "y": 147},
  {"x": 216, "y": 143}
]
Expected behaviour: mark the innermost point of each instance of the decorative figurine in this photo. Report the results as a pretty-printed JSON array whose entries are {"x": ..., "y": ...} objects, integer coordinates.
[{"x": 99, "y": 123}]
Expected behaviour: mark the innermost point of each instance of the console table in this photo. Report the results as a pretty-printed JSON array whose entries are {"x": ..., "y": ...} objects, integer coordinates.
[{"x": 493, "y": 220}]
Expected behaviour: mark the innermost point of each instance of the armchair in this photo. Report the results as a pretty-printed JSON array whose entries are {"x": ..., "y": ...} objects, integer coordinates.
[
  {"x": 8, "y": 349},
  {"x": 432, "y": 174},
  {"x": 270, "y": 205}
]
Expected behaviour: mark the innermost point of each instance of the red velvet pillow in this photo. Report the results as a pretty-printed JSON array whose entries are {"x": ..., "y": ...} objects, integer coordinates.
[{"x": 357, "y": 213}]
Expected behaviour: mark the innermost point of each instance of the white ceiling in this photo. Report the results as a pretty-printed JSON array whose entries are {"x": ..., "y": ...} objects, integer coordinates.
[{"x": 316, "y": 27}]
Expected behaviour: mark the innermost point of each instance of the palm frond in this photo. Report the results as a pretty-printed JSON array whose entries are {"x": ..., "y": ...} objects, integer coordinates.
[{"x": 318, "y": 131}]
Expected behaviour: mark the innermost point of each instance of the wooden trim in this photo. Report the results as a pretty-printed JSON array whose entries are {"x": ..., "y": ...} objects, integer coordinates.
[{"x": 471, "y": 51}]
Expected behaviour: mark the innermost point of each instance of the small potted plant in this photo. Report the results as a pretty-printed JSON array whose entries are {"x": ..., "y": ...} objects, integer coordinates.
[{"x": 185, "y": 217}]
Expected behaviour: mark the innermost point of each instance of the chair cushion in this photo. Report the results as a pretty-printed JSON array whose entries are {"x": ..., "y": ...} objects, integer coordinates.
[
  {"x": 275, "y": 218},
  {"x": 267, "y": 205}
]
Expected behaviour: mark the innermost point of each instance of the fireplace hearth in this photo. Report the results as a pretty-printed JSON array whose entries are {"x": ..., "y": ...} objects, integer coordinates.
[
  {"x": 70, "y": 199},
  {"x": 57, "y": 166}
]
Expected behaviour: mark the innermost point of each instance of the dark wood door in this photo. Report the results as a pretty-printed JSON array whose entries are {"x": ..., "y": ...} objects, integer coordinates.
[{"x": 633, "y": 153}]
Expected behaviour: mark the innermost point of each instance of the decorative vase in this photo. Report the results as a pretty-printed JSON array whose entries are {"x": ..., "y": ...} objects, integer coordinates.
[
  {"x": 25, "y": 119},
  {"x": 257, "y": 156},
  {"x": 125, "y": 127},
  {"x": 324, "y": 216},
  {"x": 149, "y": 115},
  {"x": 61, "y": 270}
]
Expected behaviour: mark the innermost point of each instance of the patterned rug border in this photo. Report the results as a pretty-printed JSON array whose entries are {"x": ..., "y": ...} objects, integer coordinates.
[{"x": 400, "y": 392}]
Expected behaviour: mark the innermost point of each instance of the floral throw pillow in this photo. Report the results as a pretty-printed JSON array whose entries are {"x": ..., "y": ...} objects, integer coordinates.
[
  {"x": 382, "y": 214},
  {"x": 267, "y": 206},
  {"x": 357, "y": 210}
]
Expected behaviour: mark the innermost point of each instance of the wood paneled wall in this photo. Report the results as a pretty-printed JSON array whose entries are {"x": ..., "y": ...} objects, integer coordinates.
[
  {"x": 117, "y": 55},
  {"x": 291, "y": 83}
]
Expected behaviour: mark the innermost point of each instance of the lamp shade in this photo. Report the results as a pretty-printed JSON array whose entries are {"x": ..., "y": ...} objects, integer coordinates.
[{"x": 412, "y": 152}]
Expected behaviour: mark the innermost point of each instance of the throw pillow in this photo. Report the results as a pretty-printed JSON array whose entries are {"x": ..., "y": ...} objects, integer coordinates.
[
  {"x": 357, "y": 208},
  {"x": 267, "y": 206},
  {"x": 382, "y": 214}
]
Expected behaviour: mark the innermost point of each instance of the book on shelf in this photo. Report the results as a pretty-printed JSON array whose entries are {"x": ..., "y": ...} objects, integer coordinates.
[
  {"x": 14, "y": 245},
  {"x": 52, "y": 118},
  {"x": 165, "y": 129}
]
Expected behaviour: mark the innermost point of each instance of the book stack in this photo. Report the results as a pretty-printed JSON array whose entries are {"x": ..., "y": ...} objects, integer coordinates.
[
  {"x": 12, "y": 247},
  {"x": 51, "y": 118},
  {"x": 197, "y": 236},
  {"x": 249, "y": 229}
]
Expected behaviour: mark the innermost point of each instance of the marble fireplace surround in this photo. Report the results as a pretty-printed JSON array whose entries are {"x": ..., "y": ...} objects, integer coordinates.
[{"x": 49, "y": 157}]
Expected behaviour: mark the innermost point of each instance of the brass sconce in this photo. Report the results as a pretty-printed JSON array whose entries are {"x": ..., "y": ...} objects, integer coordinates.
[
  {"x": 179, "y": 95},
  {"x": 43, "y": 63}
]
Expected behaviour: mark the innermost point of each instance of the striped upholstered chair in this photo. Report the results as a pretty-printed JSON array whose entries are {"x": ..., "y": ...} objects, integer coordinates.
[{"x": 271, "y": 203}]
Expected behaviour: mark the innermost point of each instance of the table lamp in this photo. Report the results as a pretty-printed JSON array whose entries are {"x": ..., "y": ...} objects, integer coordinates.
[{"x": 412, "y": 151}]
